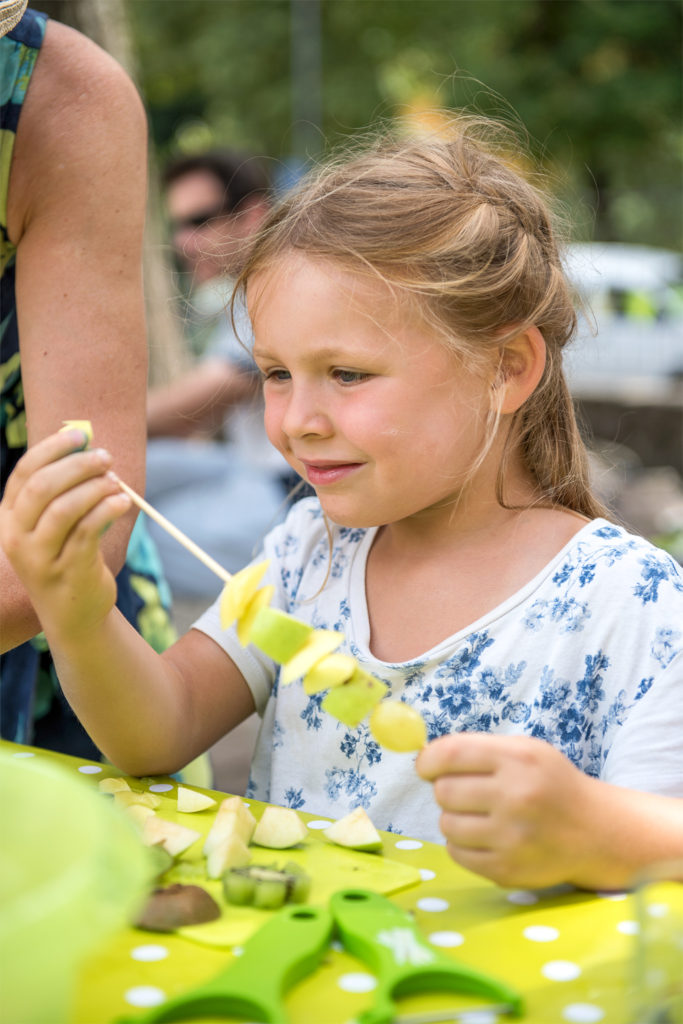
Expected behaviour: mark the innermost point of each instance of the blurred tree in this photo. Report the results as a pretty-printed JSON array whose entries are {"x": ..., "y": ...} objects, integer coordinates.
[{"x": 596, "y": 83}]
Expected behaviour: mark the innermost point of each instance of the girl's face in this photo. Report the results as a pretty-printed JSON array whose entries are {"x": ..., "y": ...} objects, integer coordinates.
[{"x": 362, "y": 398}]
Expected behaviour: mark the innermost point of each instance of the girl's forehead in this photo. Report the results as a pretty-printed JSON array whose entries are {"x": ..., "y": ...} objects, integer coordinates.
[{"x": 359, "y": 289}]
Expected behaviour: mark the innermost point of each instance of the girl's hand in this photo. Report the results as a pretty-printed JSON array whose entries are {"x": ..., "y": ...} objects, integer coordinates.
[
  {"x": 57, "y": 503},
  {"x": 513, "y": 808}
]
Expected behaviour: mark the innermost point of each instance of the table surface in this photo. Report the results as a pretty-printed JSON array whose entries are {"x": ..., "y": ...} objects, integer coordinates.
[{"x": 570, "y": 954}]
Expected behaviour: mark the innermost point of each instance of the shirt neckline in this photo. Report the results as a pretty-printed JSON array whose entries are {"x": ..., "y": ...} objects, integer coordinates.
[{"x": 360, "y": 620}]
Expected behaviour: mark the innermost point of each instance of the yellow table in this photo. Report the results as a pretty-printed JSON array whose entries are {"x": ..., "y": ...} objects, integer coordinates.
[{"x": 570, "y": 954}]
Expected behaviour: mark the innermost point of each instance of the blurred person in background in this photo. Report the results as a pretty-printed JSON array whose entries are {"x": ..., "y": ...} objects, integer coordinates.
[
  {"x": 210, "y": 467},
  {"x": 72, "y": 328}
]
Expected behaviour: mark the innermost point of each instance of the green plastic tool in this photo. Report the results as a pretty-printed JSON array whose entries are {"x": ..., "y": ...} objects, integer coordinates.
[
  {"x": 283, "y": 951},
  {"x": 386, "y": 939}
]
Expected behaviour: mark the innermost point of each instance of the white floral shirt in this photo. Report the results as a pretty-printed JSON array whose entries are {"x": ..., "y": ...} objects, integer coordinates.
[{"x": 588, "y": 656}]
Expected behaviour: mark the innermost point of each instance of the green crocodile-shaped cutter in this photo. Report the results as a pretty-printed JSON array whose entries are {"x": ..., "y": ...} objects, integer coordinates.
[
  {"x": 386, "y": 939},
  {"x": 283, "y": 951}
]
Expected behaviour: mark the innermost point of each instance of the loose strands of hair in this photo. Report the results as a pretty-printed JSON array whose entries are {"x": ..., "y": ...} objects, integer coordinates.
[{"x": 450, "y": 220}]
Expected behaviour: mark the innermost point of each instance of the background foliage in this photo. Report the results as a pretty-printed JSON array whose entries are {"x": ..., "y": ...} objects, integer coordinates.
[{"x": 597, "y": 83}]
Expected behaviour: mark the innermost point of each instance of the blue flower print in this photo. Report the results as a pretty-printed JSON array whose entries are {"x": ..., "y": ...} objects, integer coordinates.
[
  {"x": 589, "y": 689},
  {"x": 312, "y": 714},
  {"x": 294, "y": 798},
  {"x": 666, "y": 645},
  {"x": 655, "y": 571},
  {"x": 350, "y": 783}
]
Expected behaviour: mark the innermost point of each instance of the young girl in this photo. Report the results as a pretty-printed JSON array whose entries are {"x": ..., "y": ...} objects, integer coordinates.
[{"x": 409, "y": 312}]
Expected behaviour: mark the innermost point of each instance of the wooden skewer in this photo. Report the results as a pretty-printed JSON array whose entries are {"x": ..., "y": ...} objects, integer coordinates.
[{"x": 177, "y": 534}]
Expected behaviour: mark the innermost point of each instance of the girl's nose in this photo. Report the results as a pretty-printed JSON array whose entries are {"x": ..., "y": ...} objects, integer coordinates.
[{"x": 305, "y": 414}]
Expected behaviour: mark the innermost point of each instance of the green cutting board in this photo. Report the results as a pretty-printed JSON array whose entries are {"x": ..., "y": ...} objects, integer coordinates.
[{"x": 330, "y": 867}]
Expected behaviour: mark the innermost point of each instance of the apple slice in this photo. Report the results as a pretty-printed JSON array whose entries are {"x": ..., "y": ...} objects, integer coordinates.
[
  {"x": 355, "y": 831},
  {"x": 278, "y": 634},
  {"x": 261, "y": 599},
  {"x": 139, "y": 814},
  {"x": 238, "y": 592},
  {"x": 398, "y": 726},
  {"x": 189, "y": 801},
  {"x": 320, "y": 643},
  {"x": 127, "y": 797},
  {"x": 330, "y": 671},
  {"x": 113, "y": 786},
  {"x": 174, "y": 838},
  {"x": 354, "y": 699},
  {"x": 279, "y": 828},
  {"x": 232, "y": 852},
  {"x": 232, "y": 818}
]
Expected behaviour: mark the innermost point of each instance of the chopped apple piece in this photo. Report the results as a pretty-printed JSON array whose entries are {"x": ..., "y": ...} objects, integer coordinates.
[
  {"x": 398, "y": 726},
  {"x": 354, "y": 699},
  {"x": 319, "y": 643},
  {"x": 138, "y": 813},
  {"x": 113, "y": 786},
  {"x": 189, "y": 801},
  {"x": 238, "y": 592},
  {"x": 124, "y": 798},
  {"x": 279, "y": 828},
  {"x": 174, "y": 838},
  {"x": 278, "y": 634},
  {"x": 330, "y": 671},
  {"x": 356, "y": 831},
  {"x": 232, "y": 818},
  {"x": 261, "y": 599},
  {"x": 230, "y": 853}
]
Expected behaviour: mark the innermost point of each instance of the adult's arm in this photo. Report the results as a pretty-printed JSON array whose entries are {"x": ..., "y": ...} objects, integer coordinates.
[
  {"x": 76, "y": 212},
  {"x": 198, "y": 402}
]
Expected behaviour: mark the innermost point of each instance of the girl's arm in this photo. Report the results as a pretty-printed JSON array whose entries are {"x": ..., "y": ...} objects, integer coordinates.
[
  {"x": 148, "y": 713},
  {"x": 517, "y": 811}
]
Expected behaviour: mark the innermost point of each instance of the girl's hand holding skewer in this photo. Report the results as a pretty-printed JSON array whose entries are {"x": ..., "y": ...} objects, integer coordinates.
[{"x": 57, "y": 503}]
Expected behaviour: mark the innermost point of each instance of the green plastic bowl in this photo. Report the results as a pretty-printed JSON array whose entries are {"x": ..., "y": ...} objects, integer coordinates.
[{"x": 72, "y": 871}]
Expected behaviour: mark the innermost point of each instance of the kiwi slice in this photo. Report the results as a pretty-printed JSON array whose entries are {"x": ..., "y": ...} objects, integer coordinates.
[{"x": 266, "y": 887}]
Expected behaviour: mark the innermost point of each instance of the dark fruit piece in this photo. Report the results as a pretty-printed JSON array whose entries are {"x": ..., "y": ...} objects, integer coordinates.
[{"x": 175, "y": 906}]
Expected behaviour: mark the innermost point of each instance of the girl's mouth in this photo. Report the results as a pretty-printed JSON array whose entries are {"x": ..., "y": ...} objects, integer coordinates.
[{"x": 319, "y": 474}]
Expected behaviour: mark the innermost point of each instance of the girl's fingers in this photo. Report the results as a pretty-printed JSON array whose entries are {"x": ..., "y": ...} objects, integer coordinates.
[
  {"x": 81, "y": 510},
  {"x": 470, "y": 794},
  {"x": 54, "y": 479},
  {"x": 50, "y": 449},
  {"x": 459, "y": 753},
  {"x": 85, "y": 536}
]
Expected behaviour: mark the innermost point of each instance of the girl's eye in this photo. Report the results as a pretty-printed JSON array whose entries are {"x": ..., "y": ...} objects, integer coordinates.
[
  {"x": 277, "y": 373},
  {"x": 350, "y": 376}
]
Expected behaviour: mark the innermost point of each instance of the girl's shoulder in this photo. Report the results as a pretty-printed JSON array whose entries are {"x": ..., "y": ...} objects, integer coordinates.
[{"x": 604, "y": 552}]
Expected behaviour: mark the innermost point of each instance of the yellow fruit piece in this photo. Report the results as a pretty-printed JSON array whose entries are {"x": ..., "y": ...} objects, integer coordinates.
[
  {"x": 353, "y": 700},
  {"x": 113, "y": 786},
  {"x": 84, "y": 425},
  {"x": 333, "y": 670},
  {"x": 319, "y": 643},
  {"x": 126, "y": 798},
  {"x": 190, "y": 801},
  {"x": 260, "y": 600},
  {"x": 238, "y": 592},
  {"x": 398, "y": 726},
  {"x": 278, "y": 635}
]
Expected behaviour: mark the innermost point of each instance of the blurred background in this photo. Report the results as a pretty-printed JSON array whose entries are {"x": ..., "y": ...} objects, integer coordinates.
[{"x": 595, "y": 83}]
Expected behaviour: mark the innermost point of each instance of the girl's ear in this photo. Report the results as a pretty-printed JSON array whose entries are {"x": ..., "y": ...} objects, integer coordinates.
[{"x": 522, "y": 361}]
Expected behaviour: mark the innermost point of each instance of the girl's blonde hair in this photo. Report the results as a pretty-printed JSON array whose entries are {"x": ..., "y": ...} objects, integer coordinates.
[{"x": 452, "y": 222}]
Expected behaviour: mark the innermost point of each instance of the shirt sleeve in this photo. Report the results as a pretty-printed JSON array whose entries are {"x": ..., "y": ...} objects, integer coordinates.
[{"x": 647, "y": 752}]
